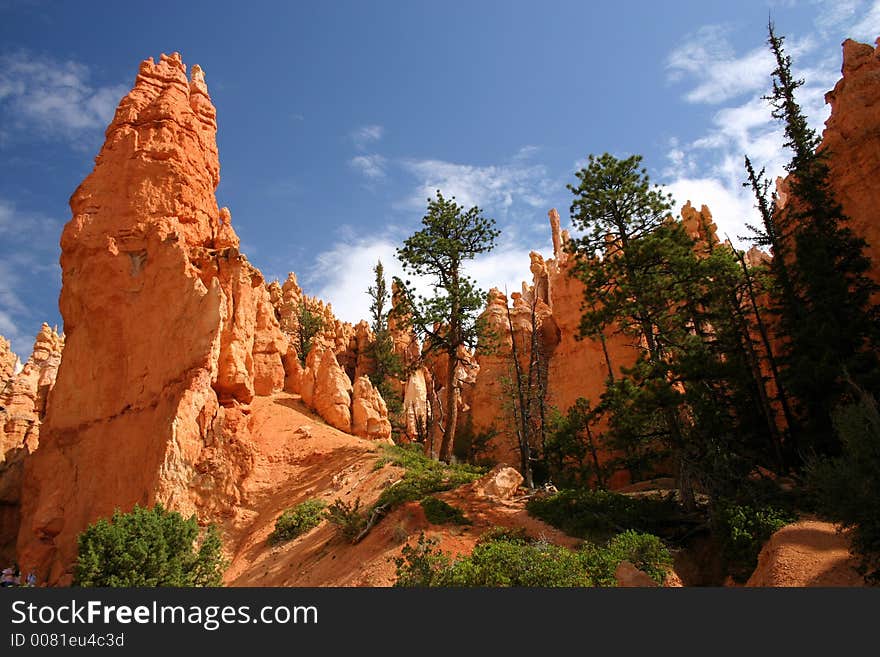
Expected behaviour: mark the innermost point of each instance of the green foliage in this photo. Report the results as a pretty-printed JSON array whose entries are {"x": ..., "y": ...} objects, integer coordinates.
[
  {"x": 451, "y": 235},
  {"x": 148, "y": 548},
  {"x": 422, "y": 476},
  {"x": 645, "y": 551},
  {"x": 298, "y": 520},
  {"x": 847, "y": 488},
  {"x": 421, "y": 564},
  {"x": 822, "y": 294},
  {"x": 439, "y": 512},
  {"x": 571, "y": 450},
  {"x": 519, "y": 564},
  {"x": 348, "y": 518},
  {"x": 596, "y": 515},
  {"x": 742, "y": 530},
  {"x": 308, "y": 325},
  {"x": 388, "y": 363},
  {"x": 379, "y": 296},
  {"x": 506, "y": 558}
]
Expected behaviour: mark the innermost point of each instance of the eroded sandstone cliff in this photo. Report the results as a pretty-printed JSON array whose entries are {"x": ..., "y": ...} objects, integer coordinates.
[{"x": 169, "y": 331}]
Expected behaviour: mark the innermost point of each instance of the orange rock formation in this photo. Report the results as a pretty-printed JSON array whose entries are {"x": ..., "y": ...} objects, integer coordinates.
[
  {"x": 169, "y": 331},
  {"x": 851, "y": 139}
]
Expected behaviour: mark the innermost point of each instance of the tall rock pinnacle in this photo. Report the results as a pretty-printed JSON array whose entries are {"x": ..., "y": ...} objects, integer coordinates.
[{"x": 169, "y": 331}]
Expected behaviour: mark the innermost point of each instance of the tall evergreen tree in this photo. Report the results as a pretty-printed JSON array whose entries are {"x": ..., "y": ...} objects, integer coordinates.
[
  {"x": 448, "y": 320},
  {"x": 828, "y": 322}
]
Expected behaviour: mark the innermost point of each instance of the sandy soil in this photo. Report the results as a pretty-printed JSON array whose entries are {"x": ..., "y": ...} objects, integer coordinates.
[
  {"x": 806, "y": 553},
  {"x": 300, "y": 458}
]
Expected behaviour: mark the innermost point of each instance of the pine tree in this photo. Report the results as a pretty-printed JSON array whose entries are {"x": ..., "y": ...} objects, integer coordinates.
[
  {"x": 388, "y": 364},
  {"x": 448, "y": 320},
  {"x": 827, "y": 319}
]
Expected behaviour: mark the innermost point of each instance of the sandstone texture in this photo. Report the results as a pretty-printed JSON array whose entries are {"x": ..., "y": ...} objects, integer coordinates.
[
  {"x": 169, "y": 331},
  {"x": 502, "y": 482},
  {"x": 851, "y": 137},
  {"x": 24, "y": 393},
  {"x": 369, "y": 413},
  {"x": 806, "y": 553},
  {"x": 628, "y": 576}
]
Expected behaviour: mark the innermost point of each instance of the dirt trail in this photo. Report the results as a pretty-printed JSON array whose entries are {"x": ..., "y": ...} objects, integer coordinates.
[{"x": 806, "y": 553}]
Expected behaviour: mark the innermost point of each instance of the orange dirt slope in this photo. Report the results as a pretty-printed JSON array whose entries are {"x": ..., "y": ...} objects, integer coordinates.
[{"x": 299, "y": 458}]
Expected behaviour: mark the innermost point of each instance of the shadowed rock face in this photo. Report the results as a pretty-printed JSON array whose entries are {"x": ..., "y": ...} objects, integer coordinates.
[{"x": 169, "y": 331}]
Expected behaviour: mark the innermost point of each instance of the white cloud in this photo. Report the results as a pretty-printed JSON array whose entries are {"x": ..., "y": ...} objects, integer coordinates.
[
  {"x": 53, "y": 98},
  {"x": 495, "y": 188},
  {"x": 22, "y": 227},
  {"x": 366, "y": 135},
  {"x": 371, "y": 166},
  {"x": 11, "y": 308},
  {"x": 707, "y": 57},
  {"x": 345, "y": 287},
  {"x": 867, "y": 28},
  {"x": 717, "y": 73},
  {"x": 833, "y": 14},
  {"x": 710, "y": 168}
]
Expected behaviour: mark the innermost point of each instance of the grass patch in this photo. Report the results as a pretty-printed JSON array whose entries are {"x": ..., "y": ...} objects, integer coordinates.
[
  {"x": 439, "y": 512},
  {"x": 297, "y": 521}
]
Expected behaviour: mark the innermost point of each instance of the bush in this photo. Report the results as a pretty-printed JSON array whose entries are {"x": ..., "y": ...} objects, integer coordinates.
[
  {"x": 422, "y": 476},
  {"x": 645, "y": 551},
  {"x": 439, "y": 512},
  {"x": 519, "y": 564},
  {"x": 420, "y": 565},
  {"x": 598, "y": 515},
  {"x": 742, "y": 530},
  {"x": 507, "y": 558},
  {"x": 847, "y": 489},
  {"x": 148, "y": 548},
  {"x": 298, "y": 520},
  {"x": 347, "y": 517}
]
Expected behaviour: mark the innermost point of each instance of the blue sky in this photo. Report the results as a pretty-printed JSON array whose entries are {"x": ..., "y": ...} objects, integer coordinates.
[{"x": 338, "y": 119}]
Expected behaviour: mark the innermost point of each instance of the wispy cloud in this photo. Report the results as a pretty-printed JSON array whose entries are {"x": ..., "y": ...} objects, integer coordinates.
[
  {"x": 53, "y": 99},
  {"x": 496, "y": 188},
  {"x": 346, "y": 287},
  {"x": 709, "y": 169},
  {"x": 867, "y": 27},
  {"x": 707, "y": 59},
  {"x": 28, "y": 258},
  {"x": 366, "y": 135},
  {"x": 371, "y": 166}
]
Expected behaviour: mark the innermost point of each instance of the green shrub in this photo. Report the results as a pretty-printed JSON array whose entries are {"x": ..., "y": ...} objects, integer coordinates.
[
  {"x": 421, "y": 564},
  {"x": 742, "y": 530},
  {"x": 504, "y": 558},
  {"x": 509, "y": 534},
  {"x": 298, "y": 520},
  {"x": 645, "y": 551},
  {"x": 347, "y": 517},
  {"x": 847, "y": 489},
  {"x": 148, "y": 548},
  {"x": 439, "y": 512},
  {"x": 422, "y": 476},
  {"x": 515, "y": 563},
  {"x": 598, "y": 515}
]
